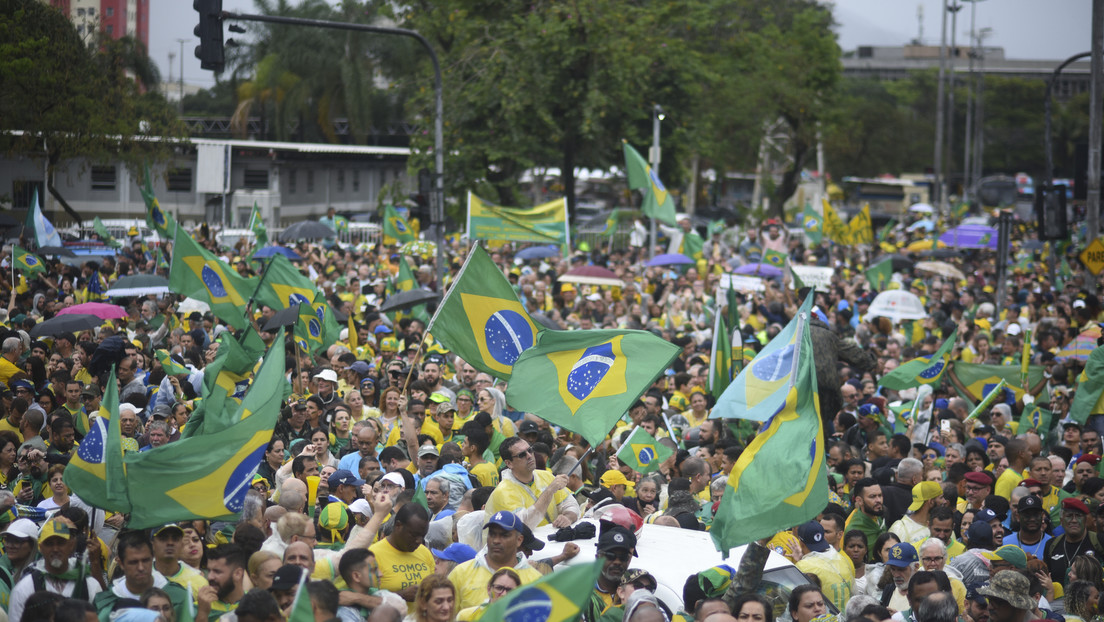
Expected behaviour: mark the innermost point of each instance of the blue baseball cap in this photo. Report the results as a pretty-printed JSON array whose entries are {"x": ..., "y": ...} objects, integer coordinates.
[
  {"x": 346, "y": 477},
  {"x": 506, "y": 520},
  {"x": 456, "y": 552},
  {"x": 902, "y": 555}
]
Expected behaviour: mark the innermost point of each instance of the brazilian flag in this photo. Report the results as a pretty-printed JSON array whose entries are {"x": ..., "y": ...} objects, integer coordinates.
[
  {"x": 395, "y": 226},
  {"x": 720, "y": 358},
  {"x": 481, "y": 318},
  {"x": 96, "y": 469},
  {"x": 642, "y": 452},
  {"x": 779, "y": 481},
  {"x": 764, "y": 384},
  {"x": 813, "y": 223},
  {"x": 158, "y": 219},
  {"x": 171, "y": 367},
  {"x": 921, "y": 370},
  {"x": 1036, "y": 418},
  {"x": 879, "y": 275},
  {"x": 206, "y": 476},
  {"x": 27, "y": 263},
  {"x": 979, "y": 380},
  {"x": 658, "y": 203},
  {"x": 283, "y": 285},
  {"x": 225, "y": 382},
  {"x": 198, "y": 274},
  {"x": 557, "y": 597},
  {"x": 257, "y": 226},
  {"x": 774, "y": 258},
  {"x": 861, "y": 228},
  {"x": 585, "y": 380},
  {"x": 105, "y": 235},
  {"x": 1089, "y": 398}
]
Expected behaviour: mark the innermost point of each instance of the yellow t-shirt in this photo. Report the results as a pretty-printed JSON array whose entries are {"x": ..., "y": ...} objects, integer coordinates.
[
  {"x": 429, "y": 427},
  {"x": 836, "y": 573},
  {"x": 400, "y": 570},
  {"x": 5, "y": 425},
  {"x": 471, "y": 577},
  {"x": 486, "y": 473},
  {"x": 511, "y": 495}
]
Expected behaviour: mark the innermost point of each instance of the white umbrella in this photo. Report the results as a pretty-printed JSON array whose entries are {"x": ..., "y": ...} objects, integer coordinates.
[
  {"x": 922, "y": 208},
  {"x": 897, "y": 304},
  {"x": 941, "y": 268},
  {"x": 191, "y": 304}
]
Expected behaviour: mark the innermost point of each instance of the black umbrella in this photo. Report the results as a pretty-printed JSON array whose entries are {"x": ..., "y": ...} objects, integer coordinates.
[
  {"x": 55, "y": 251},
  {"x": 306, "y": 230},
  {"x": 407, "y": 299},
  {"x": 283, "y": 317},
  {"x": 65, "y": 324},
  {"x": 900, "y": 263}
]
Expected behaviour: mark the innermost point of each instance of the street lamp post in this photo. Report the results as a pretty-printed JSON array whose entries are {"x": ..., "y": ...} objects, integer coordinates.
[
  {"x": 181, "y": 78},
  {"x": 653, "y": 155},
  {"x": 940, "y": 103}
]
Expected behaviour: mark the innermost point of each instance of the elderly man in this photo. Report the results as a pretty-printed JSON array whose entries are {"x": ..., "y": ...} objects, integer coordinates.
[
  {"x": 57, "y": 543},
  {"x": 537, "y": 497},
  {"x": 901, "y": 562},
  {"x": 365, "y": 438},
  {"x": 1060, "y": 551},
  {"x": 933, "y": 557},
  {"x": 977, "y": 486}
]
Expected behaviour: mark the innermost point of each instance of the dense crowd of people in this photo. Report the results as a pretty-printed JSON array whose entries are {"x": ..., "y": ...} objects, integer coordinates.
[{"x": 400, "y": 484}]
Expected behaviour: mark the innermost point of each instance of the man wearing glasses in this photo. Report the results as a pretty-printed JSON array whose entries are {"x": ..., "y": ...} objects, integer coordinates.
[
  {"x": 616, "y": 548},
  {"x": 977, "y": 486},
  {"x": 504, "y": 538},
  {"x": 537, "y": 497}
]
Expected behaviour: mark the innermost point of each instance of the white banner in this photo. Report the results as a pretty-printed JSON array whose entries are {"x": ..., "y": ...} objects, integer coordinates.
[{"x": 816, "y": 277}]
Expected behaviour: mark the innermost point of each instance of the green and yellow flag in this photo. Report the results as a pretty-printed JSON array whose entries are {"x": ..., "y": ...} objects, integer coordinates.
[
  {"x": 27, "y": 263},
  {"x": 284, "y": 285},
  {"x": 658, "y": 203},
  {"x": 762, "y": 387},
  {"x": 720, "y": 358},
  {"x": 557, "y": 597},
  {"x": 225, "y": 382},
  {"x": 395, "y": 226},
  {"x": 105, "y": 235},
  {"x": 97, "y": 469},
  {"x": 861, "y": 229},
  {"x": 921, "y": 370},
  {"x": 780, "y": 479},
  {"x": 813, "y": 223},
  {"x": 833, "y": 226},
  {"x": 257, "y": 226},
  {"x": 879, "y": 275},
  {"x": 196, "y": 273},
  {"x": 980, "y": 380},
  {"x": 1089, "y": 397},
  {"x": 207, "y": 476},
  {"x": 158, "y": 219},
  {"x": 586, "y": 380},
  {"x": 1036, "y": 418},
  {"x": 171, "y": 367},
  {"x": 317, "y": 327},
  {"x": 642, "y": 452},
  {"x": 774, "y": 258},
  {"x": 545, "y": 223},
  {"x": 481, "y": 318}
]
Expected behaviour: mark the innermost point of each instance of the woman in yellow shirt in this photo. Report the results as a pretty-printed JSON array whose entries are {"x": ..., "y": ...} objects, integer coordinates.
[{"x": 699, "y": 410}]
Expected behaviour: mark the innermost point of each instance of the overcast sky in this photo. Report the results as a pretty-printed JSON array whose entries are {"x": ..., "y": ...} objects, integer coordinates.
[{"x": 1026, "y": 29}]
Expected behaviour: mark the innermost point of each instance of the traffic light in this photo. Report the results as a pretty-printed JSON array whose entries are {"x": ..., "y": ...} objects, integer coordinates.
[
  {"x": 1050, "y": 212},
  {"x": 210, "y": 49}
]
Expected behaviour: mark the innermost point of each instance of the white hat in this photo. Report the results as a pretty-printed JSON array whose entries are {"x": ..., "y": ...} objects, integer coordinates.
[
  {"x": 23, "y": 528},
  {"x": 395, "y": 479},
  {"x": 131, "y": 407},
  {"x": 327, "y": 374},
  {"x": 360, "y": 506},
  {"x": 1013, "y": 328}
]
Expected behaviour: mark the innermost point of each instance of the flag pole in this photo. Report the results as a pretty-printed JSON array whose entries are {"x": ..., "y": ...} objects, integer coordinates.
[{"x": 580, "y": 462}]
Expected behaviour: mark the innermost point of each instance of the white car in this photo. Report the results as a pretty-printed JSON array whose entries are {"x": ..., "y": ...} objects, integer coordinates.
[{"x": 672, "y": 554}]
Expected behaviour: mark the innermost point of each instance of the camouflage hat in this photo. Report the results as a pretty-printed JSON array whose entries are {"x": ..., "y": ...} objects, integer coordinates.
[{"x": 1011, "y": 587}]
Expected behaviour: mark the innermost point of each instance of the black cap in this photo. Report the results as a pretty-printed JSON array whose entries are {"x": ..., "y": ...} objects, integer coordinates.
[
  {"x": 286, "y": 577},
  {"x": 617, "y": 537},
  {"x": 1030, "y": 502},
  {"x": 528, "y": 427}
]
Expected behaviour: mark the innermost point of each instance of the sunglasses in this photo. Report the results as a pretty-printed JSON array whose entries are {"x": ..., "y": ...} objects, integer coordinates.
[{"x": 617, "y": 556}]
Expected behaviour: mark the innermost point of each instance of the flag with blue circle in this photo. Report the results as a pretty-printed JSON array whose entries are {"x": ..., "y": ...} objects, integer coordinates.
[
  {"x": 780, "y": 480},
  {"x": 642, "y": 452},
  {"x": 760, "y": 389},
  {"x": 395, "y": 226},
  {"x": 813, "y": 224},
  {"x": 657, "y": 203},
  {"x": 96, "y": 468},
  {"x": 557, "y": 597},
  {"x": 481, "y": 318},
  {"x": 585, "y": 380},
  {"x": 282, "y": 285},
  {"x": 921, "y": 370},
  {"x": 207, "y": 476},
  {"x": 197, "y": 273},
  {"x": 156, "y": 217},
  {"x": 27, "y": 263}
]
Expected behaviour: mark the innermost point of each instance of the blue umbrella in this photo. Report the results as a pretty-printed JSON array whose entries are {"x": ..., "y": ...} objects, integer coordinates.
[
  {"x": 670, "y": 259},
  {"x": 926, "y": 224},
  {"x": 272, "y": 251},
  {"x": 538, "y": 252},
  {"x": 760, "y": 269}
]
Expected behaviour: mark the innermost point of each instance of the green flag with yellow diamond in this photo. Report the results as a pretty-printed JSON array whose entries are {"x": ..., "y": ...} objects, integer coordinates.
[{"x": 642, "y": 452}]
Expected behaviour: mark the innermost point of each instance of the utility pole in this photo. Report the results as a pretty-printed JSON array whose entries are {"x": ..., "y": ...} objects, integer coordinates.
[
  {"x": 953, "y": 8},
  {"x": 1096, "y": 102},
  {"x": 181, "y": 42},
  {"x": 653, "y": 155},
  {"x": 940, "y": 104}
]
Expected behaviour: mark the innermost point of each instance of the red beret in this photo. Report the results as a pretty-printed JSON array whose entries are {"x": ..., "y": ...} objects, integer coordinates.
[
  {"x": 1092, "y": 459},
  {"x": 1072, "y": 503},
  {"x": 1029, "y": 482},
  {"x": 979, "y": 478}
]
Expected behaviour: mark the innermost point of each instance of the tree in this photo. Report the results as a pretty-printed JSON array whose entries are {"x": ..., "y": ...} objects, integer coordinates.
[{"x": 71, "y": 100}]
